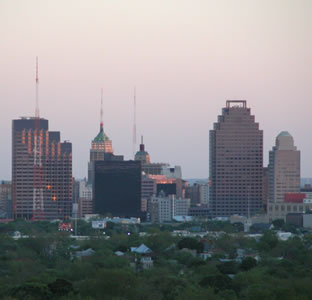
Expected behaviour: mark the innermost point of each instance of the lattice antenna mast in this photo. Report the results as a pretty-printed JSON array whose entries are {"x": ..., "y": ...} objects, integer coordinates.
[
  {"x": 38, "y": 213},
  {"x": 134, "y": 123},
  {"x": 101, "y": 112},
  {"x": 37, "y": 112}
]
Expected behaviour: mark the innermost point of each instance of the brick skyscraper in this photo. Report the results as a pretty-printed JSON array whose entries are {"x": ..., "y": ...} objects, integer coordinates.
[
  {"x": 236, "y": 162},
  {"x": 56, "y": 171}
]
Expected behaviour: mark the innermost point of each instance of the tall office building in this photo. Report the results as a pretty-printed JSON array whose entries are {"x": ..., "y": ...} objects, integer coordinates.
[
  {"x": 236, "y": 162},
  {"x": 284, "y": 168},
  {"x": 117, "y": 188},
  {"x": 101, "y": 147},
  {"x": 55, "y": 171}
]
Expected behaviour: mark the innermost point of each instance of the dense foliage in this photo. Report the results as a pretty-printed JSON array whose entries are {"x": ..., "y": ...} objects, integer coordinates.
[{"x": 43, "y": 264}]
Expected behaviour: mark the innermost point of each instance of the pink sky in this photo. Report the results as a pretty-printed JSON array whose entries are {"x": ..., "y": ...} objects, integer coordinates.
[{"x": 186, "y": 59}]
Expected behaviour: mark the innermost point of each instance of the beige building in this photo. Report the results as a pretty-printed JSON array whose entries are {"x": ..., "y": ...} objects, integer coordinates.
[{"x": 284, "y": 168}]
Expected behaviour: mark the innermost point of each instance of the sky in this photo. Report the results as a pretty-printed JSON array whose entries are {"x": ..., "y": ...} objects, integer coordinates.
[{"x": 185, "y": 57}]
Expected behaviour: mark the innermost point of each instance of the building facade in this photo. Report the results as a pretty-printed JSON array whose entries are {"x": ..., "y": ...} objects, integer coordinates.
[
  {"x": 163, "y": 209},
  {"x": 284, "y": 168},
  {"x": 236, "y": 162},
  {"x": 85, "y": 200},
  {"x": 117, "y": 188},
  {"x": 55, "y": 171},
  {"x": 101, "y": 148}
]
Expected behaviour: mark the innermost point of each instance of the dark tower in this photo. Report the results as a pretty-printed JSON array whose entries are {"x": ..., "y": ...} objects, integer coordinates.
[{"x": 117, "y": 188}]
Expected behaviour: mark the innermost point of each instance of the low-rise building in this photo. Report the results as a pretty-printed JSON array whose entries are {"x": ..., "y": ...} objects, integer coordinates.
[{"x": 162, "y": 209}]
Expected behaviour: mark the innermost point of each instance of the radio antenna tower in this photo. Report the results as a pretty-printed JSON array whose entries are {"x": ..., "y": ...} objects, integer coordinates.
[
  {"x": 101, "y": 113},
  {"x": 134, "y": 123},
  {"x": 37, "y": 187}
]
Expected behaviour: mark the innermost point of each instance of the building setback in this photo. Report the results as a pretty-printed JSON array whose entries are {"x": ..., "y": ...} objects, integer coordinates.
[
  {"x": 236, "y": 162},
  {"x": 117, "y": 188},
  {"x": 56, "y": 171}
]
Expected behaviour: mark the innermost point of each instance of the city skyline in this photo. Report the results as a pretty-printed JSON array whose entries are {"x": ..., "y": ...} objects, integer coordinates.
[{"x": 188, "y": 61}]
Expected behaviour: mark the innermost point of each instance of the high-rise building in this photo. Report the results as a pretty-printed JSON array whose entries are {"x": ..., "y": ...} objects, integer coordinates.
[
  {"x": 101, "y": 148},
  {"x": 117, "y": 188},
  {"x": 284, "y": 168},
  {"x": 5, "y": 200},
  {"x": 236, "y": 162},
  {"x": 55, "y": 171}
]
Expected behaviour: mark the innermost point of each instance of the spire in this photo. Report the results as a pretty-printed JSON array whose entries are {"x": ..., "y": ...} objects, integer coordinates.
[
  {"x": 142, "y": 144},
  {"x": 101, "y": 113}
]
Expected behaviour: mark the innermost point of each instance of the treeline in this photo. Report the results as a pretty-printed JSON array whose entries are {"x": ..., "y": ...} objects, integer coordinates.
[{"x": 44, "y": 265}]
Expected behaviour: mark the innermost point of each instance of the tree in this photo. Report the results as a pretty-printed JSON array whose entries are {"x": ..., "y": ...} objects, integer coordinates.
[
  {"x": 248, "y": 263},
  {"x": 31, "y": 291},
  {"x": 60, "y": 288},
  {"x": 191, "y": 243},
  {"x": 219, "y": 282},
  {"x": 278, "y": 224}
]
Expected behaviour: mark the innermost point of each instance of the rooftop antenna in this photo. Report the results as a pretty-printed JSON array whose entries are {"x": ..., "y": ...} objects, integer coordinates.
[
  {"x": 134, "y": 123},
  {"x": 38, "y": 209},
  {"x": 101, "y": 113},
  {"x": 37, "y": 112}
]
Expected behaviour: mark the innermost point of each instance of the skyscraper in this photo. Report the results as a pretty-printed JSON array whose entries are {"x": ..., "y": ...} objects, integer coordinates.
[
  {"x": 236, "y": 162},
  {"x": 117, "y": 188},
  {"x": 55, "y": 171},
  {"x": 284, "y": 168},
  {"x": 101, "y": 147}
]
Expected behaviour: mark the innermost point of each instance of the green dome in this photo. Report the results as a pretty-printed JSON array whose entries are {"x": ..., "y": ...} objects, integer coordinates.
[{"x": 101, "y": 137}]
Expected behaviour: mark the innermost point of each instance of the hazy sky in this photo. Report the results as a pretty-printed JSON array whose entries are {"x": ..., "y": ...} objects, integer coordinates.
[{"x": 186, "y": 59}]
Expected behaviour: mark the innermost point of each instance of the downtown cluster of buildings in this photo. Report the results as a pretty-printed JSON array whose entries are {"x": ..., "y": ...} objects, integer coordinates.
[{"x": 238, "y": 183}]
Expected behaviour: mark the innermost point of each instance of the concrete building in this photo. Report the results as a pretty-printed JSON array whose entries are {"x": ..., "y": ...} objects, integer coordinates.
[
  {"x": 284, "y": 168},
  {"x": 204, "y": 194},
  {"x": 236, "y": 162},
  {"x": 55, "y": 160},
  {"x": 163, "y": 209},
  {"x": 85, "y": 202},
  {"x": 193, "y": 192},
  {"x": 148, "y": 189},
  {"x": 5, "y": 200},
  {"x": 293, "y": 203},
  {"x": 198, "y": 193}
]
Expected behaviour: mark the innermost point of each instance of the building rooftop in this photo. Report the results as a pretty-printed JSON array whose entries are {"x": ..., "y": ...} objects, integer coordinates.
[
  {"x": 284, "y": 133},
  {"x": 101, "y": 137}
]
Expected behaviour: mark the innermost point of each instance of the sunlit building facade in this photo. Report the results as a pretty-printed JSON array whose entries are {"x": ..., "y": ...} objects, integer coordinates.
[{"x": 236, "y": 162}]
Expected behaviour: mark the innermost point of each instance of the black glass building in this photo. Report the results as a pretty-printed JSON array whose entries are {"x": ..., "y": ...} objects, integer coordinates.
[{"x": 117, "y": 188}]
